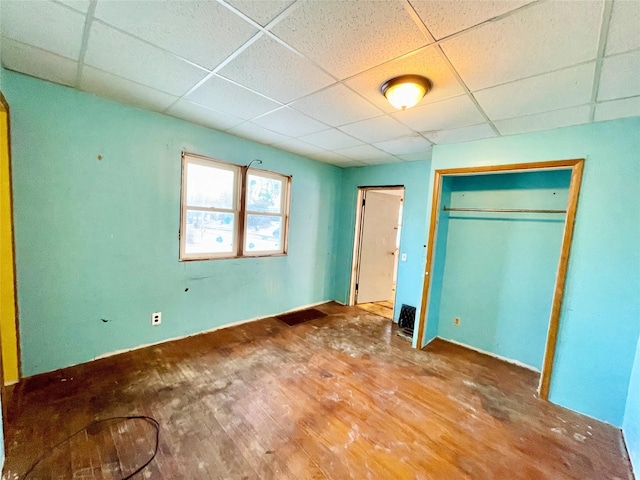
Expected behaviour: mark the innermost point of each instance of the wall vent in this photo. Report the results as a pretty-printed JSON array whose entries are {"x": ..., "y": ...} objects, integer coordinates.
[{"x": 407, "y": 320}]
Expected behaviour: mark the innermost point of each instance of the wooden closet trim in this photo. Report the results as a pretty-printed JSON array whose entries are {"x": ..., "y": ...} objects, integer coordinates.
[{"x": 576, "y": 166}]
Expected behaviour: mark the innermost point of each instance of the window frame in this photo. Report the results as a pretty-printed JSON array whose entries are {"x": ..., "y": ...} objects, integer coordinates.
[
  {"x": 284, "y": 215},
  {"x": 240, "y": 210}
]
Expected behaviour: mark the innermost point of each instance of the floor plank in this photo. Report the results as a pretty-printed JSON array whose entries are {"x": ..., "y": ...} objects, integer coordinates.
[
  {"x": 384, "y": 309},
  {"x": 334, "y": 398}
]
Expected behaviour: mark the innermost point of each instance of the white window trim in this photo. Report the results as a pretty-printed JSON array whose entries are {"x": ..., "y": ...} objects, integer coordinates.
[
  {"x": 240, "y": 211},
  {"x": 284, "y": 208}
]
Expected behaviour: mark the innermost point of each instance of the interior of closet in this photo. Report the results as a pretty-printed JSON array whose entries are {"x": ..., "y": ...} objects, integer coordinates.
[{"x": 496, "y": 258}]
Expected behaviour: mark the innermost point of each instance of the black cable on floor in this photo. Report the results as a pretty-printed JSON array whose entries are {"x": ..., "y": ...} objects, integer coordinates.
[{"x": 151, "y": 420}]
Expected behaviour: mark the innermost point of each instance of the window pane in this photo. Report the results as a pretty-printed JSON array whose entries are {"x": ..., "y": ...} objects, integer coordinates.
[
  {"x": 264, "y": 233},
  {"x": 209, "y": 186},
  {"x": 264, "y": 194},
  {"x": 209, "y": 232}
]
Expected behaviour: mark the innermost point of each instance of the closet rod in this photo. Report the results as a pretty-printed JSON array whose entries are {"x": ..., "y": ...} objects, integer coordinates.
[{"x": 501, "y": 210}]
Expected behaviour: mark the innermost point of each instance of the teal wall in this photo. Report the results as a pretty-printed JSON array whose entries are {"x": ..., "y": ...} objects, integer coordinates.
[
  {"x": 519, "y": 253},
  {"x": 599, "y": 318},
  {"x": 414, "y": 177},
  {"x": 437, "y": 267},
  {"x": 99, "y": 239},
  {"x": 631, "y": 424}
]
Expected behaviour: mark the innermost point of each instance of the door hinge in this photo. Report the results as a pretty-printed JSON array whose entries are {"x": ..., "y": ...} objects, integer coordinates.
[
  {"x": 356, "y": 287},
  {"x": 363, "y": 202}
]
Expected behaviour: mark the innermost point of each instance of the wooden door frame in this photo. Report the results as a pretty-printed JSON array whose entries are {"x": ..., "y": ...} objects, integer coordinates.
[
  {"x": 576, "y": 166},
  {"x": 357, "y": 237}
]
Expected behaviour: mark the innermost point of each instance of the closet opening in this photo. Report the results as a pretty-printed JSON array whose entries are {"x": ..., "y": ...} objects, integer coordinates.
[
  {"x": 376, "y": 249},
  {"x": 497, "y": 258}
]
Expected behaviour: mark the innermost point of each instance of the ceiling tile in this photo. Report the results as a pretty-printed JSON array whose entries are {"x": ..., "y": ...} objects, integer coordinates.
[
  {"x": 332, "y": 158},
  {"x": 620, "y": 76},
  {"x": 203, "y": 116},
  {"x": 427, "y": 62},
  {"x": 405, "y": 145},
  {"x": 351, "y": 164},
  {"x": 544, "y": 121},
  {"x": 261, "y": 11},
  {"x": 348, "y": 37},
  {"x": 273, "y": 70},
  {"x": 297, "y": 146},
  {"x": 336, "y": 106},
  {"x": 451, "y": 113},
  {"x": 203, "y": 32},
  {"x": 628, "y": 107},
  {"x": 465, "y": 134},
  {"x": 624, "y": 27},
  {"x": 257, "y": 133},
  {"x": 551, "y": 91},
  {"x": 331, "y": 139},
  {"x": 38, "y": 63},
  {"x": 364, "y": 153},
  {"x": 532, "y": 41},
  {"x": 444, "y": 18},
  {"x": 289, "y": 122},
  {"x": 416, "y": 157},
  {"x": 127, "y": 57},
  {"x": 382, "y": 161},
  {"x": 45, "y": 25},
  {"x": 376, "y": 129},
  {"x": 222, "y": 95},
  {"x": 80, "y": 5},
  {"x": 124, "y": 91}
]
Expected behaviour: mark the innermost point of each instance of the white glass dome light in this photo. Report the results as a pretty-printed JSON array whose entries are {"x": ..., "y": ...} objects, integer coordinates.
[{"x": 405, "y": 91}]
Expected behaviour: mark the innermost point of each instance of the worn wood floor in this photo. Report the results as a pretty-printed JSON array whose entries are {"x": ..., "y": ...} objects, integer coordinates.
[
  {"x": 339, "y": 397},
  {"x": 384, "y": 309}
]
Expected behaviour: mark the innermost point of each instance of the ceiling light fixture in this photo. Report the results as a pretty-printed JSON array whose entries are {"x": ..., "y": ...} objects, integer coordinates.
[{"x": 406, "y": 90}]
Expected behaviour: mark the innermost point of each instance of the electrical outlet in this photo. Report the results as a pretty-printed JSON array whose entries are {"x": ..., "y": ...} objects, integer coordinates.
[
  {"x": 156, "y": 318},
  {"x": 456, "y": 321}
]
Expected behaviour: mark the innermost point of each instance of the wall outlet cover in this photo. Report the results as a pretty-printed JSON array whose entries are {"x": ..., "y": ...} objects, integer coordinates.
[{"x": 156, "y": 318}]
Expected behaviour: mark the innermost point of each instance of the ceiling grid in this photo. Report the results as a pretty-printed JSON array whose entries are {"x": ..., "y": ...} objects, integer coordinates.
[
  {"x": 85, "y": 41},
  {"x": 602, "y": 45},
  {"x": 305, "y": 76}
]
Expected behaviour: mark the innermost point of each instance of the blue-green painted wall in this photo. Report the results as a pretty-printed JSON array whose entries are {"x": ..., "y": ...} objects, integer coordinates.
[
  {"x": 497, "y": 271},
  {"x": 599, "y": 317},
  {"x": 99, "y": 239},
  {"x": 631, "y": 424},
  {"x": 437, "y": 267},
  {"x": 414, "y": 177}
]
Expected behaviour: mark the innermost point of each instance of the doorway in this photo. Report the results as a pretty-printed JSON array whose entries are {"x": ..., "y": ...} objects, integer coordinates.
[{"x": 376, "y": 249}]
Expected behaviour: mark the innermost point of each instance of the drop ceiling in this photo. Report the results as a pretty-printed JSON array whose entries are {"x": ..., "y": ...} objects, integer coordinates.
[{"x": 304, "y": 76}]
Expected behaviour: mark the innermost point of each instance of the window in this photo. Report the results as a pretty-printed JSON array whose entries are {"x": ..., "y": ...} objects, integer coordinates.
[{"x": 217, "y": 222}]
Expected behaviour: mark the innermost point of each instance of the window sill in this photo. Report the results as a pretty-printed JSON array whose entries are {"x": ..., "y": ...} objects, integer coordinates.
[{"x": 204, "y": 259}]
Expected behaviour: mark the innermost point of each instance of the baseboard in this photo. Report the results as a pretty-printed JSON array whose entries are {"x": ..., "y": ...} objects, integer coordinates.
[
  {"x": 172, "y": 339},
  {"x": 226, "y": 325},
  {"x": 491, "y": 354}
]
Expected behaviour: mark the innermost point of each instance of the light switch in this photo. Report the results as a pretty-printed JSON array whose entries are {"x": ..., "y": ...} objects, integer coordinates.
[{"x": 403, "y": 258}]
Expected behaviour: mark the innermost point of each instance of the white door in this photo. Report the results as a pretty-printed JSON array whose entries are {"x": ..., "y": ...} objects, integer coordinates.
[{"x": 378, "y": 247}]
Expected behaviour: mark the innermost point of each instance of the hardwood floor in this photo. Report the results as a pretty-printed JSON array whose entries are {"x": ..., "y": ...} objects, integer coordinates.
[
  {"x": 384, "y": 309},
  {"x": 338, "y": 397}
]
